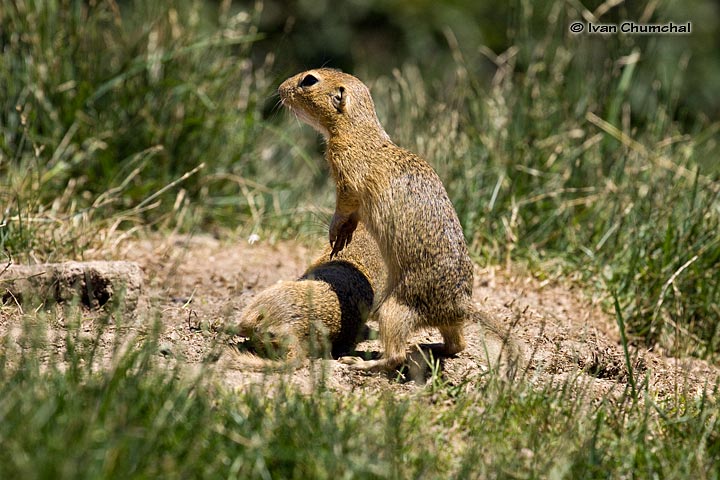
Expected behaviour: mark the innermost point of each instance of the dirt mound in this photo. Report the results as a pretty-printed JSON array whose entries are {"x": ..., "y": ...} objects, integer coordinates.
[
  {"x": 202, "y": 283},
  {"x": 199, "y": 284},
  {"x": 94, "y": 284}
]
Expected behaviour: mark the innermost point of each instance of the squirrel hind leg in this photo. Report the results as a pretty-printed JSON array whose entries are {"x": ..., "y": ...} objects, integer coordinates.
[{"x": 453, "y": 339}]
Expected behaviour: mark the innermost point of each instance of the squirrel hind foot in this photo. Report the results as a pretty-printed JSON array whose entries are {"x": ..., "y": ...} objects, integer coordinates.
[{"x": 381, "y": 365}]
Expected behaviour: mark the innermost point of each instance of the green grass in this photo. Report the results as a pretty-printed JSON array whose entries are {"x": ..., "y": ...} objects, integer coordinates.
[
  {"x": 103, "y": 108},
  {"x": 578, "y": 159},
  {"x": 137, "y": 419}
]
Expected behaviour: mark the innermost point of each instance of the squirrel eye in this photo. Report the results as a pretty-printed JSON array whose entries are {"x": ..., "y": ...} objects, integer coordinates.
[{"x": 308, "y": 81}]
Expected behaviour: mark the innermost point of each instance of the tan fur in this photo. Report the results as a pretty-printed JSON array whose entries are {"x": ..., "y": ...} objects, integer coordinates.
[
  {"x": 405, "y": 207},
  {"x": 322, "y": 312}
]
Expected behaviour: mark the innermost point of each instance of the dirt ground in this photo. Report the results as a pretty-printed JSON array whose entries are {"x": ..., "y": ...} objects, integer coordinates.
[
  {"x": 201, "y": 283},
  {"x": 196, "y": 284}
]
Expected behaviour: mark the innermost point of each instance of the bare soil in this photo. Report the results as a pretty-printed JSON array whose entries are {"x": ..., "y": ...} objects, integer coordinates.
[{"x": 195, "y": 285}]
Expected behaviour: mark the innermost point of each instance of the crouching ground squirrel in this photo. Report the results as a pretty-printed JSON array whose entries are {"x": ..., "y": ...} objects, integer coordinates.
[
  {"x": 322, "y": 312},
  {"x": 405, "y": 208}
]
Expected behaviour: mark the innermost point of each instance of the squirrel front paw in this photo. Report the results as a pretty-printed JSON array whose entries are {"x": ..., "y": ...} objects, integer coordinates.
[{"x": 341, "y": 231}]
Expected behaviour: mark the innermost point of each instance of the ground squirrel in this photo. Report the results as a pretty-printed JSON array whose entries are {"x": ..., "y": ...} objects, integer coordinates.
[
  {"x": 326, "y": 307},
  {"x": 404, "y": 206}
]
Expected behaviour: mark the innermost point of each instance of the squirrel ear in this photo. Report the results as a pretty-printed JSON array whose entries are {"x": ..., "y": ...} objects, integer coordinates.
[{"x": 339, "y": 100}]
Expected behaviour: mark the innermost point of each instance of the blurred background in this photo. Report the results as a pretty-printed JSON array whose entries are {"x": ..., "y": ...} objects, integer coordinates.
[{"x": 374, "y": 37}]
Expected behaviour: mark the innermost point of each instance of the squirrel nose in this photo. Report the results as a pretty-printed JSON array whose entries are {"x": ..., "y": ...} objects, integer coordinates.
[{"x": 282, "y": 89}]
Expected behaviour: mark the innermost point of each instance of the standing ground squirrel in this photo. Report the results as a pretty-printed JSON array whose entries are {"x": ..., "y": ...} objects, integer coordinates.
[
  {"x": 405, "y": 207},
  {"x": 326, "y": 307}
]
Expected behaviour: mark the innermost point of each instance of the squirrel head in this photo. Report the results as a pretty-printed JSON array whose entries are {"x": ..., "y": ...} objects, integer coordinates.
[{"x": 331, "y": 102}]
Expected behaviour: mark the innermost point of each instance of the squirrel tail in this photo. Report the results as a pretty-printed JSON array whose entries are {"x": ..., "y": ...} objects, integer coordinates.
[{"x": 501, "y": 346}]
